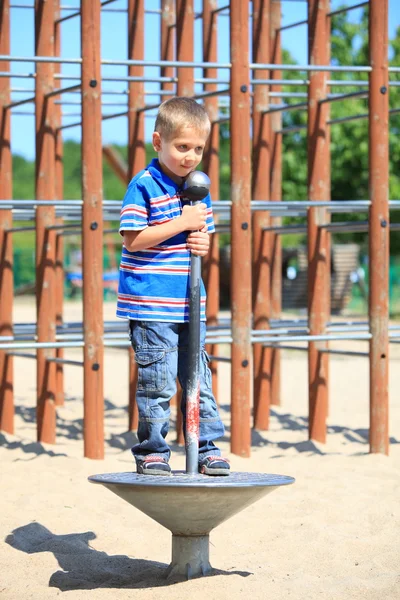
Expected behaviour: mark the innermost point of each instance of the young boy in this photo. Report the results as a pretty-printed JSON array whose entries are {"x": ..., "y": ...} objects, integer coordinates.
[{"x": 160, "y": 230}]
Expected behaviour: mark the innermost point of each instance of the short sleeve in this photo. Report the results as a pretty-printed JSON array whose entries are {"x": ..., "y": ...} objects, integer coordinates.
[
  {"x": 135, "y": 209},
  {"x": 210, "y": 216}
]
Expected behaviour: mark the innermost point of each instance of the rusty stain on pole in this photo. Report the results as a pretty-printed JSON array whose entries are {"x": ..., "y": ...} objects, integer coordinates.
[
  {"x": 241, "y": 364},
  {"x": 379, "y": 225},
  {"x": 276, "y": 196},
  {"x": 45, "y": 217},
  {"x": 167, "y": 43},
  {"x": 211, "y": 167},
  {"x": 92, "y": 231},
  {"x": 318, "y": 189},
  {"x": 59, "y": 195},
  {"x": 6, "y": 246},
  {"x": 261, "y": 219}
]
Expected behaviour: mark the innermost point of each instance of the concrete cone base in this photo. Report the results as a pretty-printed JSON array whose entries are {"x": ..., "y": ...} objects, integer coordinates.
[{"x": 190, "y": 506}]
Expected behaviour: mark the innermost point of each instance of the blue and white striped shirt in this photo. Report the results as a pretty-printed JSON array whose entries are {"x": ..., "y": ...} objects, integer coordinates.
[{"x": 154, "y": 283}]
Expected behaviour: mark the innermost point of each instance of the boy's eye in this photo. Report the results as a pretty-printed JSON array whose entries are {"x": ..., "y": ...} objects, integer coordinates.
[
  {"x": 199, "y": 149},
  {"x": 182, "y": 147}
]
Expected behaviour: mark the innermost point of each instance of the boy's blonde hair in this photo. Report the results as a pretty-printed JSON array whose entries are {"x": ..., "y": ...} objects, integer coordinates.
[{"x": 179, "y": 112}]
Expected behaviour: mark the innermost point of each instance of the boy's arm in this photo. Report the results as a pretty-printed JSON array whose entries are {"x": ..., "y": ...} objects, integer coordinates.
[{"x": 191, "y": 219}]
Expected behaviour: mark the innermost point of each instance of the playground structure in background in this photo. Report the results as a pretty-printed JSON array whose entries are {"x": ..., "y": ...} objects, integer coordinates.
[{"x": 256, "y": 331}]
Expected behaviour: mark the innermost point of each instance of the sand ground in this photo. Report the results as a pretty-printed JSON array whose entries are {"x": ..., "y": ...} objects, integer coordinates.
[{"x": 334, "y": 534}]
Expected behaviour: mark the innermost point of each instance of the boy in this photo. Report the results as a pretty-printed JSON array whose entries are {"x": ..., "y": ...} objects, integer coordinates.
[{"x": 160, "y": 230}]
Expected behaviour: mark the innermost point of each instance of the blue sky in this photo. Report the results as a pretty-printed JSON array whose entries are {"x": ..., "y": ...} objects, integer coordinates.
[{"x": 114, "y": 46}]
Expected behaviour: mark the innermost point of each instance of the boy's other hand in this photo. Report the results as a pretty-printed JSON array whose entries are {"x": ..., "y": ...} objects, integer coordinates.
[
  {"x": 194, "y": 217},
  {"x": 199, "y": 242}
]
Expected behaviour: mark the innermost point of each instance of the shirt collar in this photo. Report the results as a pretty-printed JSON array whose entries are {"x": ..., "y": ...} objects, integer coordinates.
[{"x": 162, "y": 179}]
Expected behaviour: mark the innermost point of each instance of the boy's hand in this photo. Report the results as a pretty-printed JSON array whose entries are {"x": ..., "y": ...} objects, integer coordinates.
[
  {"x": 199, "y": 242},
  {"x": 194, "y": 217}
]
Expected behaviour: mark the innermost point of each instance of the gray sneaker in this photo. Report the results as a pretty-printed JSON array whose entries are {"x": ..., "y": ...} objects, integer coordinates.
[
  {"x": 214, "y": 465},
  {"x": 153, "y": 465}
]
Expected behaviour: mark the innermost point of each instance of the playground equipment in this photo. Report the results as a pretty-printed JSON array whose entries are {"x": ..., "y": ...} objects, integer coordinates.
[
  {"x": 190, "y": 506},
  {"x": 256, "y": 331}
]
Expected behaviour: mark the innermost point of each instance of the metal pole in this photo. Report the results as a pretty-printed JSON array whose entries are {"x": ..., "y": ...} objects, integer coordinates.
[
  {"x": 59, "y": 195},
  {"x": 196, "y": 188},
  {"x": 318, "y": 245},
  {"x": 45, "y": 217},
  {"x": 92, "y": 231},
  {"x": 241, "y": 229},
  {"x": 185, "y": 87},
  {"x": 6, "y": 253},
  {"x": 167, "y": 43},
  {"x": 276, "y": 194},
  {"x": 379, "y": 230},
  {"x": 261, "y": 219},
  {"x": 211, "y": 166}
]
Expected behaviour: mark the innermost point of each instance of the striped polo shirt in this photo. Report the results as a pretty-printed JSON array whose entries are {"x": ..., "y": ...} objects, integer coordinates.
[{"x": 154, "y": 283}]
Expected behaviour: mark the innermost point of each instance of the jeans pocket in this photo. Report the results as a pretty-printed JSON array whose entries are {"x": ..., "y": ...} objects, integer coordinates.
[
  {"x": 207, "y": 370},
  {"x": 152, "y": 370}
]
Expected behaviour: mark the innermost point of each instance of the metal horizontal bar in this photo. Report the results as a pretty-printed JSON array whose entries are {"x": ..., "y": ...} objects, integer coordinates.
[
  {"x": 305, "y": 22},
  {"x": 336, "y": 98},
  {"x": 291, "y": 129},
  {"x": 22, "y": 355},
  {"x": 77, "y": 14},
  {"x": 327, "y": 68},
  {"x": 285, "y": 229},
  {"x": 212, "y": 357},
  {"x": 285, "y": 347},
  {"x": 17, "y": 229},
  {"x": 346, "y": 9},
  {"x": 348, "y": 353},
  {"x": 344, "y": 119},
  {"x": 286, "y": 107},
  {"x": 200, "y": 65},
  {"x": 316, "y": 338},
  {"x": 58, "y": 91},
  {"x": 65, "y": 361},
  {"x": 279, "y": 81},
  {"x": 20, "y": 102}
]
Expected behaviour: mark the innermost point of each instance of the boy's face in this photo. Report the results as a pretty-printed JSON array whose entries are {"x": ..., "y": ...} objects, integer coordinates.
[{"x": 180, "y": 156}]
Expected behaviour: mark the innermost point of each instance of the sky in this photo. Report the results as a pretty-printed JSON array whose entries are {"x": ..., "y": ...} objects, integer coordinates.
[{"x": 114, "y": 46}]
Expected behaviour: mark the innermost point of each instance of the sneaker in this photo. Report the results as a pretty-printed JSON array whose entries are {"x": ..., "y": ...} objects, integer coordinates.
[
  {"x": 214, "y": 465},
  {"x": 153, "y": 465}
]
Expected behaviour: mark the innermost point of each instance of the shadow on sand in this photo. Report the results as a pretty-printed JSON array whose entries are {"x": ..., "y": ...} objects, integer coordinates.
[{"x": 84, "y": 568}]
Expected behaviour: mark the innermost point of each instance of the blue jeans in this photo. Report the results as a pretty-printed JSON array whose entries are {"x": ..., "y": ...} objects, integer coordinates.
[{"x": 161, "y": 353}]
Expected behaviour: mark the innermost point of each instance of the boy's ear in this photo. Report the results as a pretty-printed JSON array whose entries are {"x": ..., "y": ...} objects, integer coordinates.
[{"x": 156, "y": 141}]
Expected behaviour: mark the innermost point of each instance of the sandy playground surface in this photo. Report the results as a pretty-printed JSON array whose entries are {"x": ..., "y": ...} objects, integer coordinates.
[{"x": 334, "y": 534}]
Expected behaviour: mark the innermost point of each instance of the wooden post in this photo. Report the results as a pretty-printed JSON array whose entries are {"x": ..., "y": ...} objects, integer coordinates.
[
  {"x": 167, "y": 43},
  {"x": 261, "y": 219},
  {"x": 45, "y": 217},
  {"x": 185, "y": 87},
  {"x": 92, "y": 231},
  {"x": 6, "y": 247},
  {"x": 136, "y": 147},
  {"x": 318, "y": 238},
  {"x": 241, "y": 228},
  {"x": 211, "y": 166},
  {"x": 379, "y": 226},
  {"x": 276, "y": 196},
  {"x": 59, "y": 195}
]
